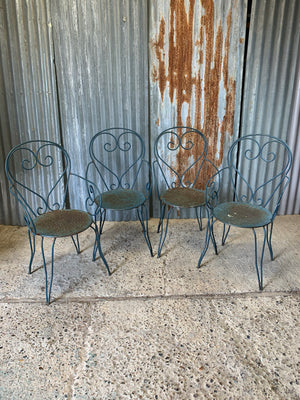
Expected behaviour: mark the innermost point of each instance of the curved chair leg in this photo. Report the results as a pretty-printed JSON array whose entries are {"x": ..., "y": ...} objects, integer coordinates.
[
  {"x": 162, "y": 215},
  {"x": 48, "y": 288},
  {"x": 225, "y": 233},
  {"x": 102, "y": 220},
  {"x": 208, "y": 236},
  {"x": 212, "y": 236},
  {"x": 31, "y": 238},
  {"x": 163, "y": 234},
  {"x": 269, "y": 240},
  {"x": 76, "y": 243},
  {"x": 97, "y": 244},
  {"x": 259, "y": 269},
  {"x": 199, "y": 217},
  {"x": 142, "y": 213}
]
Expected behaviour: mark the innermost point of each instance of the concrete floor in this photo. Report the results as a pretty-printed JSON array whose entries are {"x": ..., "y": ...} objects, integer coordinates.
[{"x": 157, "y": 328}]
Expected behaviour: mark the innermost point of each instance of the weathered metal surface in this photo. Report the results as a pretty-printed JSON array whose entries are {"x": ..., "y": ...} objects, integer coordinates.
[
  {"x": 192, "y": 68},
  {"x": 111, "y": 70},
  {"x": 28, "y": 99},
  {"x": 197, "y": 50}
]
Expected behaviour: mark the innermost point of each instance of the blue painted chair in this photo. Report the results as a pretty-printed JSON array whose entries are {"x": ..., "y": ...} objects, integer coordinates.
[
  {"x": 247, "y": 192},
  {"x": 181, "y": 168},
  {"x": 39, "y": 173},
  {"x": 123, "y": 176}
]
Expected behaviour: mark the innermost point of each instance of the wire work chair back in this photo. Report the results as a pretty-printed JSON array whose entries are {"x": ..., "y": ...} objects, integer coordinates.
[
  {"x": 180, "y": 154},
  {"x": 260, "y": 175},
  {"x": 38, "y": 172},
  {"x": 117, "y": 158}
]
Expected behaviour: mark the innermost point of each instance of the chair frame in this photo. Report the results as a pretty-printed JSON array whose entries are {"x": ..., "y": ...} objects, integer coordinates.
[
  {"x": 36, "y": 158},
  {"x": 178, "y": 179},
  {"x": 258, "y": 151},
  {"x": 120, "y": 140}
]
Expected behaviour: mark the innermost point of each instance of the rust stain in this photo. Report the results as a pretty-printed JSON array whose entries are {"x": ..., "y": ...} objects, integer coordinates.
[{"x": 212, "y": 53}]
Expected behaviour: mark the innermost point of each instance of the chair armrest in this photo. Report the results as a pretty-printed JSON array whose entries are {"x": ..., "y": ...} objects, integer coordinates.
[
  {"x": 93, "y": 201},
  {"x": 28, "y": 212},
  {"x": 214, "y": 188}
]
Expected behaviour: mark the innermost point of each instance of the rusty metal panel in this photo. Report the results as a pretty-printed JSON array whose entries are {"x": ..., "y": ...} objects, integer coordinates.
[
  {"x": 101, "y": 50},
  {"x": 271, "y": 76},
  {"x": 28, "y": 99},
  {"x": 196, "y": 69}
]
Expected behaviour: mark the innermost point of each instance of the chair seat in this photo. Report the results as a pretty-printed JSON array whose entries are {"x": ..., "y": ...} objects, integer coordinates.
[
  {"x": 183, "y": 197},
  {"x": 61, "y": 223},
  {"x": 122, "y": 199},
  {"x": 243, "y": 215}
]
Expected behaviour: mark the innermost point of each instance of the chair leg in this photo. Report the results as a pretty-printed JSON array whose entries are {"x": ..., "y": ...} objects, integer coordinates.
[
  {"x": 259, "y": 269},
  {"x": 76, "y": 243},
  {"x": 142, "y": 213},
  {"x": 97, "y": 244},
  {"x": 48, "y": 287},
  {"x": 269, "y": 240},
  {"x": 208, "y": 236},
  {"x": 212, "y": 236},
  {"x": 162, "y": 215},
  {"x": 31, "y": 238},
  {"x": 225, "y": 233},
  {"x": 163, "y": 233},
  {"x": 199, "y": 217}
]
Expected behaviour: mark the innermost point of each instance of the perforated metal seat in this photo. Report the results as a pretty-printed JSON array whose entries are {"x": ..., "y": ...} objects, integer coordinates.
[
  {"x": 62, "y": 223},
  {"x": 122, "y": 199},
  {"x": 183, "y": 197},
  {"x": 243, "y": 215}
]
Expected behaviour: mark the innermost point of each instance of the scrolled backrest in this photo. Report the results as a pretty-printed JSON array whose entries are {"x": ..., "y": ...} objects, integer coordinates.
[
  {"x": 38, "y": 172},
  {"x": 259, "y": 167},
  {"x": 116, "y": 156},
  {"x": 180, "y": 154}
]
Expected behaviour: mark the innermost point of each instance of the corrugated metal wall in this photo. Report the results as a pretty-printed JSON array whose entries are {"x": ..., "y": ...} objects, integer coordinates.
[
  {"x": 28, "y": 98},
  {"x": 270, "y": 78},
  {"x": 147, "y": 65},
  {"x": 102, "y": 71},
  {"x": 291, "y": 202}
]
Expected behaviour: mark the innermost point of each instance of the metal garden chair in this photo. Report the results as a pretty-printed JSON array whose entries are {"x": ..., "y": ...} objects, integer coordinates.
[
  {"x": 123, "y": 175},
  {"x": 39, "y": 173},
  {"x": 181, "y": 170},
  {"x": 247, "y": 192}
]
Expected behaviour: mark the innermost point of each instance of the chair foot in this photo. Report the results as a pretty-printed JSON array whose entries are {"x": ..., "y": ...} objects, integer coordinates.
[
  {"x": 259, "y": 268},
  {"x": 208, "y": 236},
  {"x": 76, "y": 244}
]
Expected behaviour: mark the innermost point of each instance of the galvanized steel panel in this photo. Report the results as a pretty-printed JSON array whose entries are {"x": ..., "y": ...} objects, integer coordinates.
[
  {"x": 102, "y": 57},
  {"x": 290, "y": 203},
  {"x": 270, "y": 74},
  {"x": 197, "y": 51},
  {"x": 28, "y": 99}
]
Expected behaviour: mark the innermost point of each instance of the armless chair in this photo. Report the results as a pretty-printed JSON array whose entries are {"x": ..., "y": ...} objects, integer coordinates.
[
  {"x": 181, "y": 168},
  {"x": 39, "y": 173},
  {"x": 247, "y": 192},
  {"x": 119, "y": 168}
]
